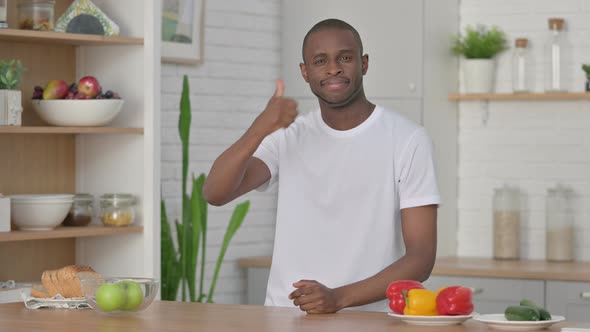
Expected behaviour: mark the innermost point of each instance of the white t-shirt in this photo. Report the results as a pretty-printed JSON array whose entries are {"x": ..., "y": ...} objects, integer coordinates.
[{"x": 339, "y": 198}]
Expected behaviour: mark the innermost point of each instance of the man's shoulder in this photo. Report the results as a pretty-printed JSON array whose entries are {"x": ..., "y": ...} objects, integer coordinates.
[{"x": 401, "y": 125}]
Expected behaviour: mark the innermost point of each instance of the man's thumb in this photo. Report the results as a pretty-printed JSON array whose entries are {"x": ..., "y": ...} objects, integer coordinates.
[{"x": 280, "y": 91}]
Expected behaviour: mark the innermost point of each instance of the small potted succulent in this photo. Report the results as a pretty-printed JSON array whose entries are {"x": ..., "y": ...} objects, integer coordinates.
[
  {"x": 479, "y": 46},
  {"x": 10, "y": 98},
  {"x": 586, "y": 69}
]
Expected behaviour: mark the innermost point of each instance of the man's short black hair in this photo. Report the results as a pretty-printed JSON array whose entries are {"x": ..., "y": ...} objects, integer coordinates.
[{"x": 332, "y": 23}]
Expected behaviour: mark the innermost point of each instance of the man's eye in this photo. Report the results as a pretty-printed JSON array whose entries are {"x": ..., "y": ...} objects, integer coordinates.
[
  {"x": 345, "y": 58},
  {"x": 319, "y": 62}
]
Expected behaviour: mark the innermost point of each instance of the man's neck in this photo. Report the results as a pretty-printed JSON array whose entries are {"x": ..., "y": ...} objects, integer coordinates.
[{"x": 349, "y": 116}]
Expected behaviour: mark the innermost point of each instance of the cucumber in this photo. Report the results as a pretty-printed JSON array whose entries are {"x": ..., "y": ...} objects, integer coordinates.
[
  {"x": 522, "y": 313},
  {"x": 544, "y": 314}
]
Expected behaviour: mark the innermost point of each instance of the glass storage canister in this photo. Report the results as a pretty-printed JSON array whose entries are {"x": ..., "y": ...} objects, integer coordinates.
[
  {"x": 520, "y": 63},
  {"x": 81, "y": 211},
  {"x": 36, "y": 14},
  {"x": 117, "y": 209},
  {"x": 555, "y": 53},
  {"x": 560, "y": 224},
  {"x": 3, "y": 5},
  {"x": 506, "y": 204}
]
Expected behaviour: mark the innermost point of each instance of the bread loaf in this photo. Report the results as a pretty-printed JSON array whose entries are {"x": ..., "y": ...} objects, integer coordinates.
[{"x": 64, "y": 281}]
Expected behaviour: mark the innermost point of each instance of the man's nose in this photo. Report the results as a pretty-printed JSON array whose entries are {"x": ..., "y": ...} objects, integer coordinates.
[{"x": 334, "y": 68}]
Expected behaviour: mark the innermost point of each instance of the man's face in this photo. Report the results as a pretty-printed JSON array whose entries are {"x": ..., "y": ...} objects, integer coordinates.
[{"x": 333, "y": 66}]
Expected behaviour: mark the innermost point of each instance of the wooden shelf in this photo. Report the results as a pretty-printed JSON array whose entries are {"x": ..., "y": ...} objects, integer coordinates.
[
  {"x": 67, "y": 232},
  {"x": 69, "y": 130},
  {"x": 522, "y": 96},
  {"x": 50, "y": 37}
]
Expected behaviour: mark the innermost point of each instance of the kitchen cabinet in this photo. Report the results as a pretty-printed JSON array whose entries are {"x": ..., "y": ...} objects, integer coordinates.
[
  {"x": 570, "y": 299},
  {"x": 122, "y": 157},
  {"x": 411, "y": 70}
]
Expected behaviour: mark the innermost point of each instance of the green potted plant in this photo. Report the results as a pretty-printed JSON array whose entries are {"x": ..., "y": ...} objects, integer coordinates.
[
  {"x": 586, "y": 69},
  {"x": 10, "y": 98},
  {"x": 479, "y": 46}
]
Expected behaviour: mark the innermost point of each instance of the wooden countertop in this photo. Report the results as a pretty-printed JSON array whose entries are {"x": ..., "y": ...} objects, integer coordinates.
[
  {"x": 182, "y": 316},
  {"x": 486, "y": 268}
]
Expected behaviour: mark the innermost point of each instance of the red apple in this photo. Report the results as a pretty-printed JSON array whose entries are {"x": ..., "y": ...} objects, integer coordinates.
[
  {"x": 55, "y": 89},
  {"x": 89, "y": 86}
]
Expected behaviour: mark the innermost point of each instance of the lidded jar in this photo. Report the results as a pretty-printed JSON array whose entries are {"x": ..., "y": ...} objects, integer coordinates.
[
  {"x": 81, "y": 211},
  {"x": 520, "y": 66},
  {"x": 117, "y": 209},
  {"x": 506, "y": 205},
  {"x": 36, "y": 14},
  {"x": 559, "y": 224},
  {"x": 556, "y": 55}
]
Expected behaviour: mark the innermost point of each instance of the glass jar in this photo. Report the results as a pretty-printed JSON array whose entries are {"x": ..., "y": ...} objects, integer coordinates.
[
  {"x": 520, "y": 64},
  {"x": 117, "y": 209},
  {"x": 36, "y": 14},
  {"x": 559, "y": 224},
  {"x": 3, "y": 6},
  {"x": 555, "y": 55},
  {"x": 81, "y": 211},
  {"x": 506, "y": 206}
]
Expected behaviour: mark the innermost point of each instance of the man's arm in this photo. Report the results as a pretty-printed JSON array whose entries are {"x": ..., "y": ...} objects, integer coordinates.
[
  {"x": 419, "y": 233},
  {"x": 235, "y": 172}
]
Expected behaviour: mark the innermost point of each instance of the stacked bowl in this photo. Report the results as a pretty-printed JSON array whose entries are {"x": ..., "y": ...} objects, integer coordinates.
[{"x": 39, "y": 212}]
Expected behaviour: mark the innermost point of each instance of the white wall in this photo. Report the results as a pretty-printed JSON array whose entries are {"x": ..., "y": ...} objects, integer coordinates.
[
  {"x": 532, "y": 145},
  {"x": 242, "y": 60}
]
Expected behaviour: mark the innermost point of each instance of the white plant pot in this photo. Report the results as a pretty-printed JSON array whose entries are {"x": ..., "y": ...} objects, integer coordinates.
[
  {"x": 478, "y": 75},
  {"x": 11, "y": 108}
]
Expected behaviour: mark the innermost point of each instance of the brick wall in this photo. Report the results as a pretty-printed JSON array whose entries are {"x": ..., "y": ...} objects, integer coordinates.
[
  {"x": 242, "y": 60},
  {"x": 532, "y": 145}
]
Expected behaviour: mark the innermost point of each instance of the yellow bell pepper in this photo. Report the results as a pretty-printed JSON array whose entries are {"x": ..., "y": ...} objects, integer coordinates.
[{"x": 420, "y": 302}]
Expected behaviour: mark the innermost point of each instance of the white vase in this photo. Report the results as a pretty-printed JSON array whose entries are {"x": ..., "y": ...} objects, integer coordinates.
[
  {"x": 11, "y": 108},
  {"x": 478, "y": 75}
]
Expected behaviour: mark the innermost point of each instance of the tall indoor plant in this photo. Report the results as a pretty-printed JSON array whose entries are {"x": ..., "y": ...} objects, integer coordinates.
[
  {"x": 479, "y": 46},
  {"x": 179, "y": 267},
  {"x": 10, "y": 98}
]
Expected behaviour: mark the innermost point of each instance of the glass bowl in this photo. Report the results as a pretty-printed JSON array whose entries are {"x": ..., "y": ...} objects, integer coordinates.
[{"x": 119, "y": 296}]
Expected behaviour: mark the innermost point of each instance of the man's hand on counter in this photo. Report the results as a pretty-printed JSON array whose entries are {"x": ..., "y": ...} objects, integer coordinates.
[{"x": 315, "y": 298}]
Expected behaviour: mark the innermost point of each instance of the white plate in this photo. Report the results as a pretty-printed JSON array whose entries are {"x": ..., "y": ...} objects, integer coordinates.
[
  {"x": 499, "y": 322},
  {"x": 431, "y": 320}
]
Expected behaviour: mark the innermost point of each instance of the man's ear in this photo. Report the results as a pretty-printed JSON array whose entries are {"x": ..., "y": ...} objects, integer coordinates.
[
  {"x": 365, "y": 63},
  {"x": 303, "y": 68}
]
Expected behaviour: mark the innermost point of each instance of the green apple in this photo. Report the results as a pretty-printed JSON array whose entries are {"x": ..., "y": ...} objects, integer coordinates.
[
  {"x": 133, "y": 294},
  {"x": 110, "y": 297}
]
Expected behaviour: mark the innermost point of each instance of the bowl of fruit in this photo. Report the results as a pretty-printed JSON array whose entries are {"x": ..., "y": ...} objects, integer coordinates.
[
  {"x": 81, "y": 104},
  {"x": 119, "y": 296}
]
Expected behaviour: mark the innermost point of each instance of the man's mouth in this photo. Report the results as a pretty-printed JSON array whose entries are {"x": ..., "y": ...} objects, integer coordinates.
[{"x": 335, "y": 83}]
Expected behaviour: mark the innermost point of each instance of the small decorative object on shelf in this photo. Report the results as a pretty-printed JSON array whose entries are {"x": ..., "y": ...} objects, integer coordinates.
[
  {"x": 11, "y": 108},
  {"x": 586, "y": 69},
  {"x": 560, "y": 232},
  {"x": 520, "y": 64},
  {"x": 3, "y": 5},
  {"x": 506, "y": 205},
  {"x": 479, "y": 46},
  {"x": 83, "y": 16},
  {"x": 555, "y": 55}
]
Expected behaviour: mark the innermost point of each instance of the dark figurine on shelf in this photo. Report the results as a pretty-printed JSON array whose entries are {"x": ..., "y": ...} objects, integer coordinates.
[{"x": 586, "y": 69}]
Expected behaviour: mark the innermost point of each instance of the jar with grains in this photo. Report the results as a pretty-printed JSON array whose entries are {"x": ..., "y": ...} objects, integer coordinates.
[
  {"x": 506, "y": 223},
  {"x": 36, "y": 14},
  {"x": 560, "y": 224},
  {"x": 117, "y": 209},
  {"x": 81, "y": 211}
]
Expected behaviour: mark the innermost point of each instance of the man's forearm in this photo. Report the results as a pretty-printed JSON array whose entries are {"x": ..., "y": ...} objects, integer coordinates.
[{"x": 372, "y": 289}]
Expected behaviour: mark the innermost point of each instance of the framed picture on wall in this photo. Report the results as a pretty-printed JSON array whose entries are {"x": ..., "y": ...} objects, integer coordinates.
[{"x": 182, "y": 23}]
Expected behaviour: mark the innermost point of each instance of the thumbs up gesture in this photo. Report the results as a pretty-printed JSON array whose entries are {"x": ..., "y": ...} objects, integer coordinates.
[{"x": 280, "y": 112}]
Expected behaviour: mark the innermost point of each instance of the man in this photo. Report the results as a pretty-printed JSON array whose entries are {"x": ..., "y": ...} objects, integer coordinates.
[{"x": 355, "y": 182}]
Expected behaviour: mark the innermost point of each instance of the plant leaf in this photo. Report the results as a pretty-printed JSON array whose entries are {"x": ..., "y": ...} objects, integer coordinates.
[
  {"x": 200, "y": 204},
  {"x": 234, "y": 224},
  {"x": 169, "y": 262},
  {"x": 196, "y": 237}
]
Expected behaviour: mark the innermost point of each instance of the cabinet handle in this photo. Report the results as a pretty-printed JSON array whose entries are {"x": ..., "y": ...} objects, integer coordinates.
[
  {"x": 585, "y": 295},
  {"x": 476, "y": 290},
  {"x": 412, "y": 87}
]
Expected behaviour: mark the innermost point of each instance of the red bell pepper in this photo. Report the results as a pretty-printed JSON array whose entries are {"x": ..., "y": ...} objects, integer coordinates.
[
  {"x": 454, "y": 300},
  {"x": 397, "y": 302}
]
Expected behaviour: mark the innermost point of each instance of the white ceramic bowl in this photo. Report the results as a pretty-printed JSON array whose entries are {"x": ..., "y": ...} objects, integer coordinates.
[
  {"x": 39, "y": 214},
  {"x": 78, "y": 112}
]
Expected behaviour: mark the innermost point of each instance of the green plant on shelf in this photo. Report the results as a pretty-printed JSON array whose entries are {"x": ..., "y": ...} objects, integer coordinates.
[
  {"x": 11, "y": 74},
  {"x": 179, "y": 267},
  {"x": 479, "y": 42}
]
